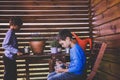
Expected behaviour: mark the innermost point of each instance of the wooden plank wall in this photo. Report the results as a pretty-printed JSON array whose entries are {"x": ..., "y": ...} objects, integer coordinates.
[
  {"x": 106, "y": 20},
  {"x": 45, "y": 17}
]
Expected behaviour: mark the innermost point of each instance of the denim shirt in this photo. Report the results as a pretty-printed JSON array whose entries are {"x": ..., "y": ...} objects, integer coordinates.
[
  {"x": 10, "y": 44},
  {"x": 77, "y": 60}
]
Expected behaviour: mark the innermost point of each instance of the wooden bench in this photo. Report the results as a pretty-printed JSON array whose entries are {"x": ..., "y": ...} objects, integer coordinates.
[{"x": 93, "y": 60}]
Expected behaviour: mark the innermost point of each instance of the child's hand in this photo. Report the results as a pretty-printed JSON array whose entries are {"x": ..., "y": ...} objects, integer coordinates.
[{"x": 19, "y": 53}]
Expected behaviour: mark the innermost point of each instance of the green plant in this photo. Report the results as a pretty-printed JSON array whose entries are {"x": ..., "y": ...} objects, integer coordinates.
[{"x": 54, "y": 43}]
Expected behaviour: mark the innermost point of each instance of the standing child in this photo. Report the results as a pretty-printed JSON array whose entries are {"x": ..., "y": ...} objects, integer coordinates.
[
  {"x": 11, "y": 49},
  {"x": 76, "y": 67}
]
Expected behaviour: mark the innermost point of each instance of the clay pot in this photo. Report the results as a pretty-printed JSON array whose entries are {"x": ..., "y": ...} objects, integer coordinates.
[{"x": 37, "y": 47}]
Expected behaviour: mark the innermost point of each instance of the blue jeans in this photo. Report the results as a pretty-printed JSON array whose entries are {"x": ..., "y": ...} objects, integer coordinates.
[{"x": 63, "y": 76}]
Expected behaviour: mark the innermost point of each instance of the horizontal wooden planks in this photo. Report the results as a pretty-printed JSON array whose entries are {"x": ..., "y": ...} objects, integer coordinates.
[
  {"x": 105, "y": 76},
  {"x": 108, "y": 29},
  {"x": 44, "y": 7},
  {"x": 104, "y": 6},
  {"x": 112, "y": 56},
  {"x": 112, "y": 3},
  {"x": 108, "y": 38},
  {"x": 111, "y": 68},
  {"x": 53, "y": 20},
  {"x": 107, "y": 16},
  {"x": 106, "y": 21},
  {"x": 44, "y": 2},
  {"x": 95, "y": 2},
  {"x": 45, "y": 17}
]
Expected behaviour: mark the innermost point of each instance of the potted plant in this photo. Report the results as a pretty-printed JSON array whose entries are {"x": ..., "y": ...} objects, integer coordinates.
[
  {"x": 54, "y": 46},
  {"x": 37, "y": 44}
]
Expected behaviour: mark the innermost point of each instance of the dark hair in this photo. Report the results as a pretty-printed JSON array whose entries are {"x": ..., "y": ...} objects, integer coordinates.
[
  {"x": 15, "y": 20},
  {"x": 63, "y": 34},
  {"x": 59, "y": 59}
]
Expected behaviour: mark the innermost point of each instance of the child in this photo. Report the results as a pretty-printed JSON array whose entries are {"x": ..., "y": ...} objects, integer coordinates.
[
  {"x": 59, "y": 64},
  {"x": 11, "y": 49},
  {"x": 76, "y": 67}
]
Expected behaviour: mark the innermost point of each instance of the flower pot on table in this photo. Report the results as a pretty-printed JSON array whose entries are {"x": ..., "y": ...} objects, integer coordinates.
[{"x": 37, "y": 47}]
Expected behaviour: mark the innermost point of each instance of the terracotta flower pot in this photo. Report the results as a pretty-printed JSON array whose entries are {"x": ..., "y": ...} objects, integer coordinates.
[{"x": 37, "y": 47}]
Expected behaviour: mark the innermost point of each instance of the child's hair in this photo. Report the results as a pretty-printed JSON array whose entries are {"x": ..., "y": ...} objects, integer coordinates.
[
  {"x": 59, "y": 60},
  {"x": 63, "y": 34},
  {"x": 15, "y": 20}
]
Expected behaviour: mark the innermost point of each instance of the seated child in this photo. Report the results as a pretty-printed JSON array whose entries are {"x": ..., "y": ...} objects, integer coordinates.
[{"x": 59, "y": 64}]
